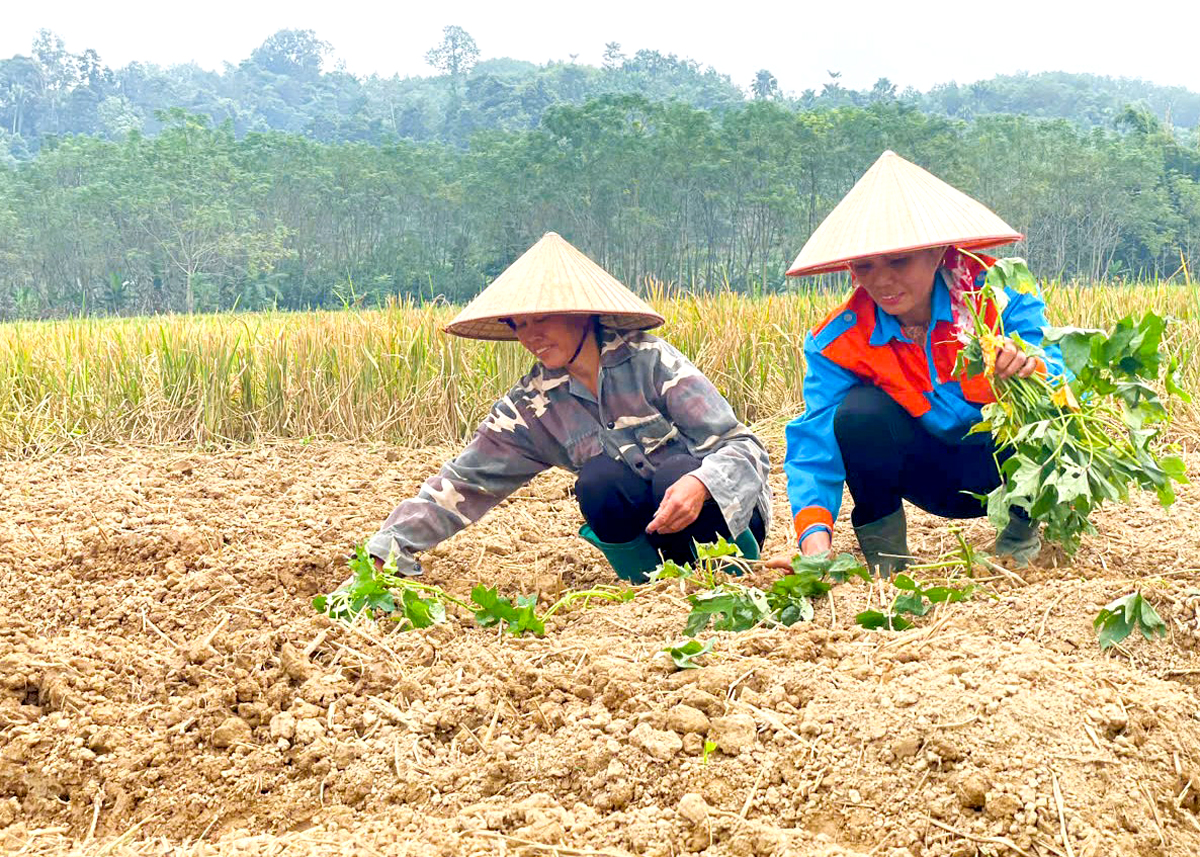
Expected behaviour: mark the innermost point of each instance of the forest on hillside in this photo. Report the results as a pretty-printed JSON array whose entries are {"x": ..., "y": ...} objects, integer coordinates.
[{"x": 279, "y": 182}]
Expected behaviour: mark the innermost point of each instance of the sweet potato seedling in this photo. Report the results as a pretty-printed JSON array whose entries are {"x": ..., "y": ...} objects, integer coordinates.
[
  {"x": 732, "y": 606},
  {"x": 1073, "y": 442},
  {"x": 684, "y": 654},
  {"x": 420, "y": 605},
  {"x": 912, "y": 600},
  {"x": 1117, "y": 620}
]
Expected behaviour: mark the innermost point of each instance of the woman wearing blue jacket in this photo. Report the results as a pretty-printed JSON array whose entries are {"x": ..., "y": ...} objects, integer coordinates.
[{"x": 885, "y": 413}]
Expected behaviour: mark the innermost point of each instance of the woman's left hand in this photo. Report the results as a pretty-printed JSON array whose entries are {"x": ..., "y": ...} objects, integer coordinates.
[
  {"x": 680, "y": 506},
  {"x": 1012, "y": 362}
]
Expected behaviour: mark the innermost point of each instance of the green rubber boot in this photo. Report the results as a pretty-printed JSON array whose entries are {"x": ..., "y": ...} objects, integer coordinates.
[
  {"x": 1020, "y": 540},
  {"x": 748, "y": 544},
  {"x": 632, "y": 561},
  {"x": 884, "y": 544}
]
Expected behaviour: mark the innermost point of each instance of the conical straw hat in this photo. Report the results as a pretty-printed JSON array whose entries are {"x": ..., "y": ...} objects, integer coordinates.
[
  {"x": 894, "y": 208},
  {"x": 552, "y": 278}
]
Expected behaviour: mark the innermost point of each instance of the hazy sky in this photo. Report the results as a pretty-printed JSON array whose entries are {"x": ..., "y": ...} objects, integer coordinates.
[{"x": 913, "y": 44}]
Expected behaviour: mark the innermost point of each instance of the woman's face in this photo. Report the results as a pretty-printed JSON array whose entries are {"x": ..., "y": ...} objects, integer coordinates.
[
  {"x": 552, "y": 339},
  {"x": 901, "y": 283}
]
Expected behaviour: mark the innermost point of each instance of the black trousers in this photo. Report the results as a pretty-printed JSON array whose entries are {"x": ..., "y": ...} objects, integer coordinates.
[
  {"x": 618, "y": 504},
  {"x": 890, "y": 456}
]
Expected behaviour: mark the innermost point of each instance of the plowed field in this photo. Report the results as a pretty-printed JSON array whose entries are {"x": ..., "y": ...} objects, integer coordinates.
[{"x": 166, "y": 687}]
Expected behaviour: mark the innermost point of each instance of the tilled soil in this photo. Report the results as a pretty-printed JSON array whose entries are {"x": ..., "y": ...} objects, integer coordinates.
[{"x": 166, "y": 687}]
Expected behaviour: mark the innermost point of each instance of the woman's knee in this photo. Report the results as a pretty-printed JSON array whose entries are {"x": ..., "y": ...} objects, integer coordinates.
[
  {"x": 670, "y": 471},
  {"x": 864, "y": 411},
  {"x": 612, "y": 498}
]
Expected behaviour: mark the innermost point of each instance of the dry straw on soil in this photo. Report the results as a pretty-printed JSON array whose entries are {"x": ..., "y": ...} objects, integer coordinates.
[{"x": 392, "y": 373}]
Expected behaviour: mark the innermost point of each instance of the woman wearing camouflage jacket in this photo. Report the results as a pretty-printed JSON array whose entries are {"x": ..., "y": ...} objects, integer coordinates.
[{"x": 661, "y": 459}]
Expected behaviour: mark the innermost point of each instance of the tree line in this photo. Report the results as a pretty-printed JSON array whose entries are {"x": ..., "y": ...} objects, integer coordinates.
[
  {"x": 287, "y": 84},
  {"x": 198, "y": 217}
]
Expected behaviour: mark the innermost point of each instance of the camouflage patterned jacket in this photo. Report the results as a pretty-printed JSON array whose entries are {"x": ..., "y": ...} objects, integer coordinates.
[{"x": 653, "y": 404}]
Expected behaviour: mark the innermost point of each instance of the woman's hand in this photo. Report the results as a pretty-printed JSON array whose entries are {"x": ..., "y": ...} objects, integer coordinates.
[
  {"x": 680, "y": 506},
  {"x": 816, "y": 542},
  {"x": 1012, "y": 362}
]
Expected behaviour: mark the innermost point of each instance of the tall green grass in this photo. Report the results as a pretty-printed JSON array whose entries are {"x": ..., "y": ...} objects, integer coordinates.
[{"x": 392, "y": 374}]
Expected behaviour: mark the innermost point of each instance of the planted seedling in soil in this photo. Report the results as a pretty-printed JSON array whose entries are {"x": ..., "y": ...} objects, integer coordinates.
[
  {"x": 419, "y": 605},
  {"x": 373, "y": 590},
  {"x": 912, "y": 600},
  {"x": 684, "y": 654},
  {"x": 732, "y": 606},
  {"x": 1073, "y": 444},
  {"x": 1117, "y": 620}
]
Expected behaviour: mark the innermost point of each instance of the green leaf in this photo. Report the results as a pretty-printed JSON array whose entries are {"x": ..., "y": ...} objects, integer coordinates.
[
  {"x": 910, "y": 602},
  {"x": 1173, "y": 466},
  {"x": 807, "y": 584},
  {"x": 1117, "y": 620},
  {"x": 716, "y": 550},
  {"x": 684, "y": 654},
  {"x": 874, "y": 620},
  {"x": 1149, "y": 622},
  {"x": 1076, "y": 344},
  {"x": 730, "y": 607},
  {"x": 949, "y": 594},
  {"x": 493, "y": 609},
  {"x": 670, "y": 570},
  {"x": 798, "y": 610},
  {"x": 422, "y": 612}
]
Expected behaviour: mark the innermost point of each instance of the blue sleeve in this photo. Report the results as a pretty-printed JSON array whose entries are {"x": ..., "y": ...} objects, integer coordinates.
[
  {"x": 813, "y": 462},
  {"x": 1026, "y": 315}
]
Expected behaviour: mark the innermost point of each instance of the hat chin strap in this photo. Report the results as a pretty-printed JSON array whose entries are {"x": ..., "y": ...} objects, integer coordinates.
[{"x": 579, "y": 347}]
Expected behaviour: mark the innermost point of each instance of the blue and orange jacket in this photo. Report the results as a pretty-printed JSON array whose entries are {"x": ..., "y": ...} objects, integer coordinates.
[{"x": 859, "y": 343}]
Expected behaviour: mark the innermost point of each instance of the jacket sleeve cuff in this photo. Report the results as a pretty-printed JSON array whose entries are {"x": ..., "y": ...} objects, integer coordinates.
[
  {"x": 810, "y": 517},
  {"x": 810, "y": 529}
]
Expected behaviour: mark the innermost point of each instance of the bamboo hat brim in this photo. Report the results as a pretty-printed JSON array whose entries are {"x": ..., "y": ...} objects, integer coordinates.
[
  {"x": 897, "y": 207},
  {"x": 552, "y": 278}
]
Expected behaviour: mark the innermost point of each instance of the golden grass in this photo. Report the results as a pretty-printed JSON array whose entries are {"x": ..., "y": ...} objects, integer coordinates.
[{"x": 392, "y": 374}]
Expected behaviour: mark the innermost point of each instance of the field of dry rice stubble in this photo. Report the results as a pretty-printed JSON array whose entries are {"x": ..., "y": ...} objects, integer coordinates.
[{"x": 166, "y": 688}]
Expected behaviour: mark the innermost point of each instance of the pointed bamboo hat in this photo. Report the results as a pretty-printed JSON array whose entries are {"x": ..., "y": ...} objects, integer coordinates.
[
  {"x": 894, "y": 208},
  {"x": 552, "y": 278}
]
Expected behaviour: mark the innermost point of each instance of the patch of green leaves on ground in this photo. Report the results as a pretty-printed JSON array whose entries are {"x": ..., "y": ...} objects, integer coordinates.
[
  {"x": 912, "y": 600},
  {"x": 383, "y": 591},
  {"x": 727, "y": 605},
  {"x": 1118, "y": 619},
  {"x": 373, "y": 590},
  {"x": 496, "y": 610},
  {"x": 684, "y": 654}
]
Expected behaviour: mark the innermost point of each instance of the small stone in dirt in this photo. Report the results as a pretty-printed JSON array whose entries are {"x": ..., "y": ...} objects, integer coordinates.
[
  {"x": 659, "y": 745},
  {"x": 703, "y": 700},
  {"x": 283, "y": 725},
  {"x": 294, "y": 663},
  {"x": 302, "y": 710},
  {"x": 309, "y": 730},
  {"x": 972, "y": 790},
  {"x": 233, "y": 730},
  {"x": 1001, "y": 805},
  {"x": 693, "y": 809},
  {"x": 906, "y": 746},
  {"x": 684, "y": 719},
  {"x": 734, "y": 734}
]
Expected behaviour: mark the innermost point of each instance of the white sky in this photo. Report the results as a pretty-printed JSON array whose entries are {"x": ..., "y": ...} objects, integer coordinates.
[{"x": 913, "y": 44}]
